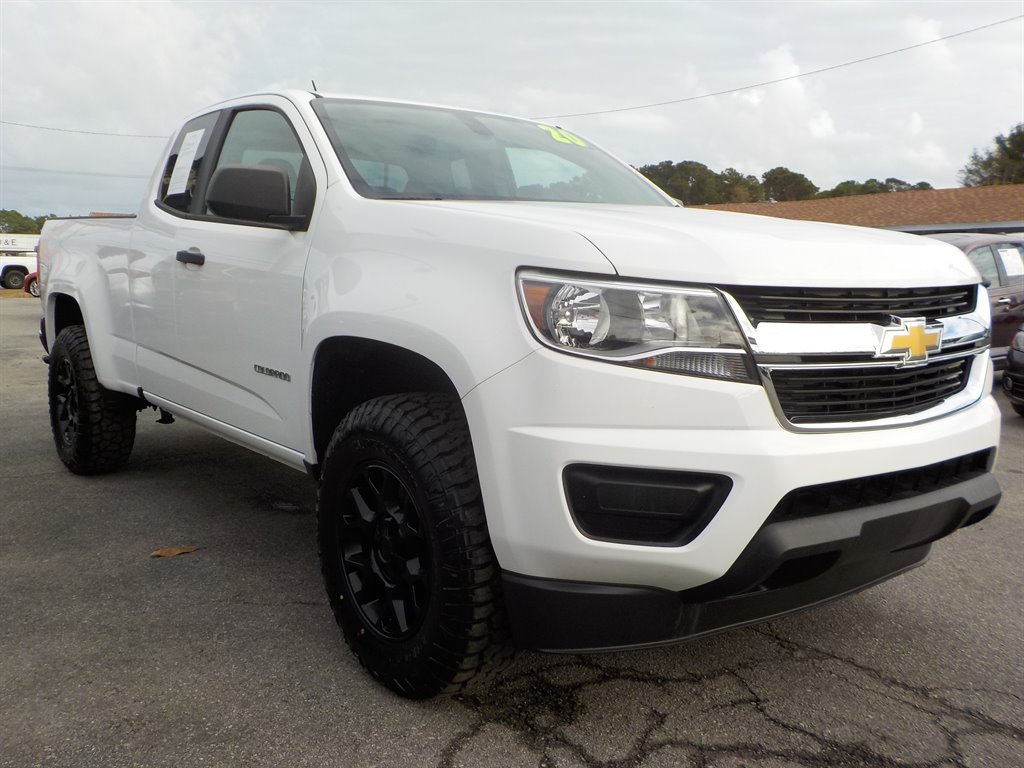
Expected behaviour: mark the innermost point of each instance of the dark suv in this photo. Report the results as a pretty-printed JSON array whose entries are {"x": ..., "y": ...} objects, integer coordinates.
[
  {"x": 1013, "y": 377},
  {"x": 1000, "y": 260}
]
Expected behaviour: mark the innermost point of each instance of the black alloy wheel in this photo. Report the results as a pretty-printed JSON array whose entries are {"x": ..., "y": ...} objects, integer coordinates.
[
  {"x": 65, "y": 397},
  {"x": 385, "y": 558},
  {"x": 406, "y": 558}
]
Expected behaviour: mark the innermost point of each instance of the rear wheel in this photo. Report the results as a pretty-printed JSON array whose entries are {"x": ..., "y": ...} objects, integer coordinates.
[
  {"x": 14, "y": 278},
  {"x": 407, "y": 562},
  {"x": 93, "y": 428}
]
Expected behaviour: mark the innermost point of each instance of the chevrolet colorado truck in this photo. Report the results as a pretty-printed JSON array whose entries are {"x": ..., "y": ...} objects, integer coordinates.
[{"x": 545, "y": 406}]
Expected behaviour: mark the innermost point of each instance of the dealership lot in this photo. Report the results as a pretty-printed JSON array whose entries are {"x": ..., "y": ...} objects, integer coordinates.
[{"x": 229, "y": 655}]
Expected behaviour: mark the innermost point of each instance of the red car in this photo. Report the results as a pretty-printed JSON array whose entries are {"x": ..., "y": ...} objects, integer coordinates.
[
  {"x": 31, "y": 284},
  {"x": 1000, "y": 260}
]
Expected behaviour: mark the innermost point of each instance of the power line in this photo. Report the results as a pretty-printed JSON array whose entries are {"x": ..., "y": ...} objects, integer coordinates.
[
  {"x": 87, "y": 133},
  {"x": 62, "y": 172},
  {"x": 783, "y": 79},
  {"x": 617, "y": 109}
]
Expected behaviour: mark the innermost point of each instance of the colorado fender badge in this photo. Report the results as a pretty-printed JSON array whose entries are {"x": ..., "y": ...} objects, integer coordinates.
[{"x": 272, "y": 372}]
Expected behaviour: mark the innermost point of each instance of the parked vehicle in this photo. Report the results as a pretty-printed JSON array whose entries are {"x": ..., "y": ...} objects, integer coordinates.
[
  {"x": 1000, "y": 260},
  {"x": 545, "y": 405},
  {"x": 14, "y": 268},
  {"x": 1013, "y": 376},
  {"x": 31, "y": 285}
]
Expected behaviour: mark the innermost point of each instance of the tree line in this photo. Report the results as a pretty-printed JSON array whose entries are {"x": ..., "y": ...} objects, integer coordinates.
[
  {"x": 694, "y": 183},
  {"x": 15, "y": 223}
]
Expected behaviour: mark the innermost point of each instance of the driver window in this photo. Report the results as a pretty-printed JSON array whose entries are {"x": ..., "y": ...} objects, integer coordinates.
[{"x": 264, "y": 137}]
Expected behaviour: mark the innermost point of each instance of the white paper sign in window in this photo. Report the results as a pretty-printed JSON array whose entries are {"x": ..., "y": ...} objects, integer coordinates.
[
  {"x": 183, "y": 165},
  {"x": 1012, "y": 261}
]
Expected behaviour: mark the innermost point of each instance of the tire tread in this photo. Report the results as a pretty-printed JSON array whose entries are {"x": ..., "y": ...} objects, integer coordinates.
[{"x": 473, "y": 641}]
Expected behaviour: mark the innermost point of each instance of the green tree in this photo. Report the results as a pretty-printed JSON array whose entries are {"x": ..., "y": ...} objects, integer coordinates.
[
  {"x": 737, "y": 188},
  {"x": 871, "y": 187},
  {"x": 15, "y": 223},
  {"x": 688, "y": 181},
  {"x": 781, "y": 184},
  {"x": 1003, "y": 164}
]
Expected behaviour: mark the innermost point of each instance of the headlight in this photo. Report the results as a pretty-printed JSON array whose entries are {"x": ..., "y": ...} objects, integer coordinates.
[{"x": 680, "y": 330}]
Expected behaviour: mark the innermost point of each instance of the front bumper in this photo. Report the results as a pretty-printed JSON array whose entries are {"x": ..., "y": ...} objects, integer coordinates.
[
  {"x": 789, "y": 565},
  {"x": 552, "y": 411}
]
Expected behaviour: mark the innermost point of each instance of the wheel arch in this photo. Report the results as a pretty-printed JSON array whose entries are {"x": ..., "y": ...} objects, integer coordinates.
[
  {"x": 349, "y": 370},
  {"x": 65, "y": 311}
]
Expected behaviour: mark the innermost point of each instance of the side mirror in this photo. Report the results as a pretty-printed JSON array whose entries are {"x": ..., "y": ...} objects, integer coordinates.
[{"x": 258, "y": 193}]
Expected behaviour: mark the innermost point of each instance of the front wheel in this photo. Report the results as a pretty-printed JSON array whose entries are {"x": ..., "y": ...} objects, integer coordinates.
[
  {"x": 33, "y": 288},
  {"x": 93, "y": 428},
  {"x": 404, "y": 550}
]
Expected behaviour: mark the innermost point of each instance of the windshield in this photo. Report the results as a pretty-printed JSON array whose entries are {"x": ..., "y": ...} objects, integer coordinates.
[{"x": 406, "y": 152}]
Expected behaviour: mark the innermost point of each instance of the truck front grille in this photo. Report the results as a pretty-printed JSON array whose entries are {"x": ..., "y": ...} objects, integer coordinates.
[
  {"x": 851, "y": 305},
  {"x": 822, "y": 395}
]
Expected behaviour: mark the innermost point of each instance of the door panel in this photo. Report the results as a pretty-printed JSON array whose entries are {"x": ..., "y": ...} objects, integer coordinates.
[
  {"x": 230, "y": 292},
  {"x": 239, "y": 313}
]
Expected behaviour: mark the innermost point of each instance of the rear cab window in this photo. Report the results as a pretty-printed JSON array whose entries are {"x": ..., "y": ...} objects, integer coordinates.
[{"x": 179, "y": 184}]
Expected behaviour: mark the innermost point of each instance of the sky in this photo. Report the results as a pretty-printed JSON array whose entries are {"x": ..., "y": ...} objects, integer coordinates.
[{"x": 136, "y": 69}]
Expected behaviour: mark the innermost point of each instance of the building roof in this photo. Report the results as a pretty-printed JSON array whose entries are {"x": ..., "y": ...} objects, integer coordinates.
[{"x": 997, "y": 208}]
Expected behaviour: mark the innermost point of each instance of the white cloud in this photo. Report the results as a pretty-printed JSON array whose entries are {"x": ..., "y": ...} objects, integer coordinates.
[
  {"x": 140, "y": 67},
  {"x": 912, "y": 124},
  {"x": 821, "y": 125}
]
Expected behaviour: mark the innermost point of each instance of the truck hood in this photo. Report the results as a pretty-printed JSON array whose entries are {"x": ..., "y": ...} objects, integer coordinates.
[{"x": 718, "y": 247}]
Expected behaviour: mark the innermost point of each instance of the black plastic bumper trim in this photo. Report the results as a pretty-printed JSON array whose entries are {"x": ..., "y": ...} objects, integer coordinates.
[{"x": 787, "y": 567}]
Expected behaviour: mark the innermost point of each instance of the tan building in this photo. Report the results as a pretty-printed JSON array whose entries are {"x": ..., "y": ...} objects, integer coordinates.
[{"x": 993, "y": 209}]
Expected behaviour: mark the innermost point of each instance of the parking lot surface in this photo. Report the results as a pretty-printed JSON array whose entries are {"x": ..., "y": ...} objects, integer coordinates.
[{"x": 229, "y": 656}]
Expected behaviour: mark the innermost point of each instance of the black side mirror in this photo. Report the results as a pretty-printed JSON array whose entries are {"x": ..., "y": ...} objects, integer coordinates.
[{"x": 258, "y": 193}]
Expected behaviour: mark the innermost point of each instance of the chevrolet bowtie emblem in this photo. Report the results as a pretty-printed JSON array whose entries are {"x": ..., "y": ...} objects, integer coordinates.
[{"x": 912, "y": 338}]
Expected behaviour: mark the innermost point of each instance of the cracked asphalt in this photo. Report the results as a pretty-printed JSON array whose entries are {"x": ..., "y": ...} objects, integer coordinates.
[{"x": 229, "y": 656}]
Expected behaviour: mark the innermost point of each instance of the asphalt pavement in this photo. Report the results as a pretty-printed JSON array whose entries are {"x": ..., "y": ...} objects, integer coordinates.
[{"x": 229, "y": 656}]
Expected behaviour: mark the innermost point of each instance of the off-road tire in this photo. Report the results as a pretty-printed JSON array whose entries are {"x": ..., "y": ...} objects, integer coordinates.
[
  {"x": 404, "y": 550},
  {"x": 93, "y": 428}
]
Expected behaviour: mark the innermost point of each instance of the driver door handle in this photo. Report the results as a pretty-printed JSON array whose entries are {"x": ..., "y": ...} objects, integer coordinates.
[{"x": 191, "y": 256}]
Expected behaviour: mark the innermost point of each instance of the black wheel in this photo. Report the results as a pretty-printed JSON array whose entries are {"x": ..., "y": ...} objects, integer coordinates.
[
  {"x": 14, "y": 278},
  {"x": 93, "y": 428},
  {"x": 34, "y": 288},
  {"x": 406, "y": 559}
]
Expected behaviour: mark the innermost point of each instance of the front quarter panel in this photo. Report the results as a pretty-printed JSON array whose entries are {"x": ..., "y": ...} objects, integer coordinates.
[{"x": 435, "y": 280}]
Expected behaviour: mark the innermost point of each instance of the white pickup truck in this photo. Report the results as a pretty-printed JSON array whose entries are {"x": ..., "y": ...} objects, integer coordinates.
[{"x": 545, "y": 406}]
